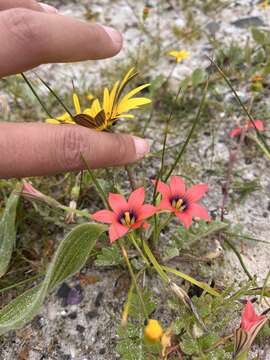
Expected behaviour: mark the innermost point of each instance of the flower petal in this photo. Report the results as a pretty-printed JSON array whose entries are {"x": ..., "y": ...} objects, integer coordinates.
[
  {"x": 104, "y": 216},
  {"x": 117, "y": 202},
  {"x": 137, "y": 225},
  {"x": 258, "y": 123},
  {"x": 199, "y": 211},
  {"x": 162, "y": 188},
  {"x": 196, "y": 192},
  {"x": 250, "y": 318},
  {"x": 177, "y": 185},
  {"x": 236, "y": 131},
  {"x": 146, "y": 211},
  {"x": 116, "y": 231},
  {"x": 165, "y": 205},
  {"x": 136, "y": 199},
  {"x": 76, "y": 103},
  {"x": 185, "y": 218}
]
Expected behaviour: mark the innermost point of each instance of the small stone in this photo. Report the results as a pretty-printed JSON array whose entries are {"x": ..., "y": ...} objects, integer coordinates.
[
  {"x": 213, "y": 27},
  {"x": 73, "y": 315},
  {"x": 91, "y": 314},
  {"x": 102, "y": 351},
  {"x": 248, "y": 22},
  {"x": 63, "y": 291},
  {"x": 80, "y": 329},
  {"x": 99, "y": 299},
  {"x": 75, "y": 296}
]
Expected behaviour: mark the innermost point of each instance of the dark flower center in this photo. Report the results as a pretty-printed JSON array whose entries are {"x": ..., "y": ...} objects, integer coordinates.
[
  {"x": 179, "y": 203},
  {"x": 128, "y": 218}
]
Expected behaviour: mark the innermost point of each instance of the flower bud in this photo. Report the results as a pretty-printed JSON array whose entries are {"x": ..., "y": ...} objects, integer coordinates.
[{"x": 153, "y": 331}]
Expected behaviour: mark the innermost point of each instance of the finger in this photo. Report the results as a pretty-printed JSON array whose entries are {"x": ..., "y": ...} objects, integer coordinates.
[
  {"x": 26, "y": 4},
  {"x": 29, "y": 38},
  {"x": 35, "y": 149}
]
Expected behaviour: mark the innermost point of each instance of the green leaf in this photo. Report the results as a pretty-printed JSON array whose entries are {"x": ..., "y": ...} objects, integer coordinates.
[
  {"x": 135, "y": 310},
  {"x": 259, "y": 36},
  {"x": 198, "y": 77},
  {"x": 201, "y": 230},
  {"x": 8, "y": 230},
  {"x": 70, "y": 257},
  {"x": 109, "y": 256}
]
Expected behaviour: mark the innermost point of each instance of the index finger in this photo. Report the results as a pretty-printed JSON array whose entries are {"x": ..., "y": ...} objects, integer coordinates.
[{"x": 29, "y": 38}]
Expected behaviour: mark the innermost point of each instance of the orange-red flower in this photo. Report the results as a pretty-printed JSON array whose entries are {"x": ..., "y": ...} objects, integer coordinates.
[
  {"x": 250, "y": 320},
  {"x": 251, "y": 323},
  {"x": 125, "y": 215},
  {"x": 249, "y": 126},
  {"x": 182, "y": 202}
]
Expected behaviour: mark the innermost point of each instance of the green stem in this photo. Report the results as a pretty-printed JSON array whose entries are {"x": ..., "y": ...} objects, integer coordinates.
[
  {"x": 261, "y": 146},
  {"x": 239, "y": 258},
  {"x": 81, "y": 213},
  {"x": 155, "y": 263},
  {"x": 133, "y": 277},
  {"x": 134, "y": 242}
]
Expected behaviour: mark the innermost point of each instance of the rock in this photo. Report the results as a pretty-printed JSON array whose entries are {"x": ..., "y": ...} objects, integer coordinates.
[
  {"x": 248, "y": 22},
  {"x": 75, "y": 296},
  {"x": 99, "y": 299},
  {"x": 213, "y": 27},
  {"x": 63, "y": 291}
]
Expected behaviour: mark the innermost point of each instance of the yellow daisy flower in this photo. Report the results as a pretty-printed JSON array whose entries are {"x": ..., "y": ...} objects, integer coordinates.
[
  {"x": 114, "y": 106},
  {"x": 264, "y": 4},
  {"x": 179, "y": 55}
]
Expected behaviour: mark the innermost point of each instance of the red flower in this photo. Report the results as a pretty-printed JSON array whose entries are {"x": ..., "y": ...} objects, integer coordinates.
[
  {"x": 249, "y": 126},
  {"x": 250, "y": 319},
  {"x": 126, "y": 215},
  {"x": 182, "y": 202},
  {"x": 251, "y": 323}
]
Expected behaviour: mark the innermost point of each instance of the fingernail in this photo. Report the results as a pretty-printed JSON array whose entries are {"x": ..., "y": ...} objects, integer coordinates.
[
  {"x": 48, "y": 8},
  {"x": 114, "y": 35},
  {"x": 142, "y": 146}
]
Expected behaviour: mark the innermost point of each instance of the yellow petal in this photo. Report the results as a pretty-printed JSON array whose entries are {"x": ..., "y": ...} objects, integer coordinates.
[
  {"x": 126, "y": 116},
  {"x": 106, "y": 101},
  {"x": 113, "y": 94},
  {"x": 130, "y": 104},
  {"x": 129, "y": 75},
  {"x": 52, "y": 121},
  {"x": 134, "y": 92},
  {"x": 76, "y": 103},
  {"x": 90, "y": 97},
  {"x": 96, "y": 107}
]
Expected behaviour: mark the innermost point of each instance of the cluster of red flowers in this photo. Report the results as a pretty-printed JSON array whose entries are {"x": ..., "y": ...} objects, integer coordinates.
[{"x": 132, "y": 214}]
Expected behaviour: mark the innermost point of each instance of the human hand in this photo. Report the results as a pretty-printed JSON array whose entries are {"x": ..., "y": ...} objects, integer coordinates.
[{"x": 31, "y": 34}]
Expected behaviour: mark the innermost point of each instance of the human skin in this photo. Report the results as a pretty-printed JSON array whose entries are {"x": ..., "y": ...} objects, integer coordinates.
[{"x": 32, "y": 34}]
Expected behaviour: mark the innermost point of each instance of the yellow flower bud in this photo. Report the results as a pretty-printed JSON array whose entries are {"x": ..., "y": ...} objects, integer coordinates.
[{"x": 153, "y": 331}]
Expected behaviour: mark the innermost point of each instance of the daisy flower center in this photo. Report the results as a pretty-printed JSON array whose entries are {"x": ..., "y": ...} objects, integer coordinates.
[
  {"x": 179, "y": 203},
  {"x": 128, "y": 218}
]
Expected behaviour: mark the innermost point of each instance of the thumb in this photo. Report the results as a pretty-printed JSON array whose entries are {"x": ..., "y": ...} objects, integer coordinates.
[{"x": 35, "y": 149}]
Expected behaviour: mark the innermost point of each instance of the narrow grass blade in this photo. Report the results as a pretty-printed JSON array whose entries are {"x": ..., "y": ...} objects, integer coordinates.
[
  {"x": 193, "y": 281},
  {"x": 56, "y": 96},
  {"x": 194, "y": 125},
  {"x": 97, "y": 184},
  {"x": 36, "y": 95}
]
